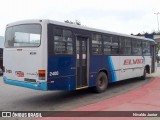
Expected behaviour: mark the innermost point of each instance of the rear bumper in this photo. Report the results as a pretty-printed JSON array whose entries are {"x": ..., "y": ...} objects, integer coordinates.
[{"x": 36, "y": 86}]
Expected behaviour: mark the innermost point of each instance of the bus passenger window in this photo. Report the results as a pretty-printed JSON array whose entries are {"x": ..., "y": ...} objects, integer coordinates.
[
  {"x": 62, "y": 41},
  {"x": 111, "y": 45},
  {"x": 107, "y": 45},
  {"x": 125, "y": 46},
  {"x": 96, "y": 44},
  {"x": 136, "y": 47},
  {"x": 146, "y": 48},
  {"x": 114, "y": 45}
]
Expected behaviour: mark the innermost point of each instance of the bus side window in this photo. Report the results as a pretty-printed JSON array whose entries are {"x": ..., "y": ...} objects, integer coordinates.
[
  {"x": 62, "y": 41},
  {"x": 96, "y": 44},
  {"x": 115, "y": 45},
  {"x": 136, "y": 47},
  {"x": 146, "y": 48},
  {"x": 107, "y": 44},
  {"x": 125, "y": 46}
]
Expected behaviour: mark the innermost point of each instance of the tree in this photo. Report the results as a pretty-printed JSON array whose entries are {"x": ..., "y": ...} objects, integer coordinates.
[
  {"x": 157, "y": 48},
  {"x": 76, "y": 22}
]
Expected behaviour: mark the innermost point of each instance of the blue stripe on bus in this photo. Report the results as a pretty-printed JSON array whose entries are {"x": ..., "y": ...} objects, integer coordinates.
[
  {"x": 111, "y": 67},
  {"x": 36, "y": 86}
]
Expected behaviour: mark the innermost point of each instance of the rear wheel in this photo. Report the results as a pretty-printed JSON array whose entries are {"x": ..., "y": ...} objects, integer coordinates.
[{"x": 101, "y": 83}]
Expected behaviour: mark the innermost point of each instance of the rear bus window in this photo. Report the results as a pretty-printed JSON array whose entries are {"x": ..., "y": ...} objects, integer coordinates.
[{"x": 23, "y": 36}]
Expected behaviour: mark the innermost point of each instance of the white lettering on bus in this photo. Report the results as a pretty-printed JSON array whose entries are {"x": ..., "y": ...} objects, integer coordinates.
[{"x": 53, "y": 73}]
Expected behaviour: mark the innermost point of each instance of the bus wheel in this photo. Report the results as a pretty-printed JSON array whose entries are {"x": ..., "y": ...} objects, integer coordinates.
[
  {"x": 144, "y": 74},
  {"x": 101, "y": 83}
]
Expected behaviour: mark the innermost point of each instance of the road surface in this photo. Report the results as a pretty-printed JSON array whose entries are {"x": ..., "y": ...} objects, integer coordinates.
[{"x": 13, "y": 98}]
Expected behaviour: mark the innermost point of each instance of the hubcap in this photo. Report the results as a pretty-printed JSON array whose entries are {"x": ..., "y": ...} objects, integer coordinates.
[{"x": 101, "y": 83}]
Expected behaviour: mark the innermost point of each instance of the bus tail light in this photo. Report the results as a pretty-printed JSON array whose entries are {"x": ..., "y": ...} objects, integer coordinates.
[{"x": 41, "y": 74}]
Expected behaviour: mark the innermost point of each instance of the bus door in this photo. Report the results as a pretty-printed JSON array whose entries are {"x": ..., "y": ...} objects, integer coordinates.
[
  {"x": 82, "y": 51},
  {"x": 153, "y": 58}
]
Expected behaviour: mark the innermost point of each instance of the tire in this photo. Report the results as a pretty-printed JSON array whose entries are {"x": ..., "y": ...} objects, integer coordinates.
[
  {"x": 144, "y": 74},
  {"x": 101, "y": 83}
]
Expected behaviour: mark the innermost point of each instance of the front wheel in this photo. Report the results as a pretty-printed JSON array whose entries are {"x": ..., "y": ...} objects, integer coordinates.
[
  {"x": 101, "y": 83},
  {"x": 144, "y": 74}
]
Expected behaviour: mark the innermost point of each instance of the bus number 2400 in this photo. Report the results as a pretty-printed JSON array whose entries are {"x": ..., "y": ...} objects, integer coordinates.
[{"x": 55, "y": 73}]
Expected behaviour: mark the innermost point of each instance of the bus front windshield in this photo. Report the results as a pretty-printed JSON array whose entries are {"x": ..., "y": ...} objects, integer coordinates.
[{"x": 28, "y": 35}]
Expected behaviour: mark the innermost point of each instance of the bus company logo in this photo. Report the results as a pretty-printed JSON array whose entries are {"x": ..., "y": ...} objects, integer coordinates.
[
  {"x": 133, "y": 61},
  {"x": 19, "y": 74}
]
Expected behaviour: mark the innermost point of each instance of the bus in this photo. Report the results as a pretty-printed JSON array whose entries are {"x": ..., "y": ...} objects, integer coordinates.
[
  {"x": 51, "y": 55},
  {"x": 1, "y": 61}
]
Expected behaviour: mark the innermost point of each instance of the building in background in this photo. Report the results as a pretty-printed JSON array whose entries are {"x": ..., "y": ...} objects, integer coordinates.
[{"x": 154, "y": 35}]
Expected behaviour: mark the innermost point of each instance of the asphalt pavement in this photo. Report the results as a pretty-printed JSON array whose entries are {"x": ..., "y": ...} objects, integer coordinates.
[
  {"x": 14, "y": 98},
  {"x": 118, "y": 96},
  {"x": 145, "y": 99}
]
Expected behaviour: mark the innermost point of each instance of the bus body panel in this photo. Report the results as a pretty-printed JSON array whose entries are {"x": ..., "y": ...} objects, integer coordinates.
[
  {"x": 62, "y": 72},
  {"x": 131, "y": 66},
  {"x": 118, "y": 67},
  {"x": 148, "y": 61},
  {"x": 23, "y": 67},
  {"x": 22, "y": 63},
  {"x": 113, "y": 67},
  {"x": 108, "y": 63}
]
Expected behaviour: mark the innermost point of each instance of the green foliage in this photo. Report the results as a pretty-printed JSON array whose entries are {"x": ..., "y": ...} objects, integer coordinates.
[
  {"x": 157, "y": 48},
  {"x": 76, "y": 22}
]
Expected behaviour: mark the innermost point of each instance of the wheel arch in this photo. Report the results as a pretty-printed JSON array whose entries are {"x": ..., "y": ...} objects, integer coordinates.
[
  {"x": 103, "y": 70},
  {"x": 147, "y": 67}
]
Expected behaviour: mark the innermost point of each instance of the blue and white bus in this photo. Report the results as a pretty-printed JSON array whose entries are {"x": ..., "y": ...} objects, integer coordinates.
[{"x": 50, "y": 55}]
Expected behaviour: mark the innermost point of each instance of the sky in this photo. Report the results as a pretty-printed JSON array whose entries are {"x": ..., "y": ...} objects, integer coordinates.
[{"x": 122, "y": 16}]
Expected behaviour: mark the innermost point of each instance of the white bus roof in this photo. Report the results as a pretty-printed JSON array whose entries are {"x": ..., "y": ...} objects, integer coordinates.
[{"x": 76, "y": 26}]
